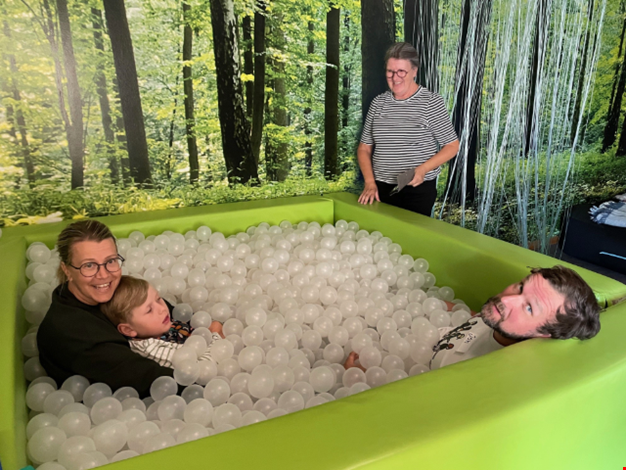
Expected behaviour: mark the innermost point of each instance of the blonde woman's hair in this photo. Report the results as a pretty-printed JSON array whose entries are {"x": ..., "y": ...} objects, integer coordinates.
[
  {"x": 83, "y": 230},
  {"x": 130, "y": 294}
]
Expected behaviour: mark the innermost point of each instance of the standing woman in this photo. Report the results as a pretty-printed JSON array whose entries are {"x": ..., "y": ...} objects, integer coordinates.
[{"x": 407, "y": 127}]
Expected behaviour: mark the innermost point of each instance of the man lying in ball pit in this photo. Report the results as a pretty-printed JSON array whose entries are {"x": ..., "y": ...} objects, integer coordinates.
[
  {"x": 141, "y": 315},
  {"x": 549, "y": 303},
  {"x": 75, "y": 337}
]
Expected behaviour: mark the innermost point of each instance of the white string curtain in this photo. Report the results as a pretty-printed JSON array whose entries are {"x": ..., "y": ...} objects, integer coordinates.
[{"x": 528, "y": 141}]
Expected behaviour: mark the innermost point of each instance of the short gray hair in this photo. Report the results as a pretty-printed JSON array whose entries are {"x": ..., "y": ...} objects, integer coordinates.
[{"x": 404, "y": 51}]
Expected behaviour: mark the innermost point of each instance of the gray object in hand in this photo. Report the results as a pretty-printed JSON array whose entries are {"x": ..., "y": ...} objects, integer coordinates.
[{"x": 403, "y": 179}]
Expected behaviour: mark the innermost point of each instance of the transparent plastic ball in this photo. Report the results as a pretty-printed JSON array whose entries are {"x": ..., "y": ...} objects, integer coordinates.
[
  {"x": 376, "y": 376},
  {"x": 55, "y": 401},
  {"x": 73, "y": 407},
  {"x": 186, "y": 372},
  {"x": 139, "y": 435},
  {"x": 370, "y": 356},
  {"x": 105, "y": 409},
  {"x": 75, "y": 424},
  {"x": 250, "y": 357},
  {"x": 123, "y": 455},
  {"x": 45, "y": 444},
  {"x": 72, "y": 448},
  {"x": 163, "y": 387},
  {"x": 37, "y": 394},
  {"x": 322, "y": 379},
  {"x": 110, "y": 436},
  {"x": 123, "y": 393},
  {"x": 261, "y": 383},
  {"x": 395, "y": 375},
  {"x": 33, "y": 369},
  {"x": 400, "y": 347},
  {"x": 241, "y": 400},
  {"x": 227, "y": 414},
  {"x": 131, "y": 417},
  {"x": 439, "y": 318},
  {"x": 172, "y": 407},
  {"x": 252, "y": 417},
  {"x": 217, "y": 391},
  {"x": 459, "y": 317},
  {"x": 191, "y": 432},
  {"x": 199, "y": 411},
  {"x": 40, "y": 421}
]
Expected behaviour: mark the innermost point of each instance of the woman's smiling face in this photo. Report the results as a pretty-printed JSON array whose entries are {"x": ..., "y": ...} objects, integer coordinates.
[
  {"x": 96, "y": 289},
  {"x": 401, "y": 87}
]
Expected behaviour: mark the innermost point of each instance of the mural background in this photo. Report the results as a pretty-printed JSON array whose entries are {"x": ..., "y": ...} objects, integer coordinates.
[{"x": 121, "y": 106}]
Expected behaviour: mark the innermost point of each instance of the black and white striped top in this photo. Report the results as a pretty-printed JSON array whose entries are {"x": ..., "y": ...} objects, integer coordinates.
[{"x": 406, "y": 133}]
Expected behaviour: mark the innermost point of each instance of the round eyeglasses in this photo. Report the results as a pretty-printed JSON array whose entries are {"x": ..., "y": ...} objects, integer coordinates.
[
  {"x": 400, "y": 73},
  {"x": 90, "y": 269}
]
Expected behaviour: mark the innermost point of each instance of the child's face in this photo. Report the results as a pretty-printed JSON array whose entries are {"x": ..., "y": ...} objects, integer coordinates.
[{"x": 149, "y": 320}]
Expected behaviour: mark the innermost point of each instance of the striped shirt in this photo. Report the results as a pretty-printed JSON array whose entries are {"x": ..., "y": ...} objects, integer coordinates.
[
  {"x": 163, "y": 351},
  {"x": 406, "y": 133}
]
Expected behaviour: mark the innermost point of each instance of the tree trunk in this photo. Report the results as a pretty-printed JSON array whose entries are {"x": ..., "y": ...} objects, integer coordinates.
[
  {"x": 101, "y": 88},
  {"x": 240, "y": 164},
  {"x": 619, "y": 61},
  {"x": 378, "y": 33},
  {"x": 345, "y": 82},
  {"x": 277, "y": 152},
  {"x": 612, "y": 122},
  {"x": 621, "y": 146},
  {"x": 120, "y": 136},
  {"x": 421, "y": 29},
  {"x": 581, "y": 77},
  {"x": 248, "y": 67},
  {"x": 49, "y": 28},
  {"x": 171, "y": 161},
  {"x": 331, "y": 95},
  {"x": 126, "y": 71},
  {"x": 541, "y": 31},
  {"x": 75, "y": 134},
  {"x": 308, "y": 145},
  {"x": 190, "y": 122},
  {"x": 258, "y": 100},
  {"x": 17, "y": 114},
  {"x": 461, "y": 184}
]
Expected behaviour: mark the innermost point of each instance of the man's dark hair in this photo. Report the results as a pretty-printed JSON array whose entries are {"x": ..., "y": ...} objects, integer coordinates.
[{"x": 579, "y": 317}]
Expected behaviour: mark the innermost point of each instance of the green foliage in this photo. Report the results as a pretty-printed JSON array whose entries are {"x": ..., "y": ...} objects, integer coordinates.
[
  {"x": 597, "y": 178},
  {"x": 21, "y": 207}
]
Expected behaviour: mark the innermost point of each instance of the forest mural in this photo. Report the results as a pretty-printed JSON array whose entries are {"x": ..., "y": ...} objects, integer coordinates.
[{"x": 115, "y": 106}]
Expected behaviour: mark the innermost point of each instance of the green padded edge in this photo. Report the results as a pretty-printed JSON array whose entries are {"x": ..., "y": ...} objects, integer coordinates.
[
  {"x": 461, "y": 258},
  {"x": 231, "y": 218},
  {"x": 13, "y": 416},
  {"x": 539, "y": 404}
]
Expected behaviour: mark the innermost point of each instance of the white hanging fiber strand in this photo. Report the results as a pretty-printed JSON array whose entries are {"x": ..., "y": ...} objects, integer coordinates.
[{"x": 539, "y": 151}]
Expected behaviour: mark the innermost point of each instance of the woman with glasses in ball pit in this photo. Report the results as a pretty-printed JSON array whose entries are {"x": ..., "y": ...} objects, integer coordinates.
[
  {"x": 75, "y": 337},
  {"x": 407, "y": 129}
]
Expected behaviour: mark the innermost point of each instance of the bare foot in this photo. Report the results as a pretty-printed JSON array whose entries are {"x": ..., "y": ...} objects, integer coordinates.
[{"x": 351, "y": 361}]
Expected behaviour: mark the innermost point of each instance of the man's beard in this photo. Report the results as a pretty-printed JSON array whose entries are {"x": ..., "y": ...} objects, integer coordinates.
[{"x": 486, "y": 313}]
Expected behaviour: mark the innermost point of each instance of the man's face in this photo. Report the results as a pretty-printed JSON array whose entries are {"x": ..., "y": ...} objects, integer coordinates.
[{"x": 522, "y": 308}]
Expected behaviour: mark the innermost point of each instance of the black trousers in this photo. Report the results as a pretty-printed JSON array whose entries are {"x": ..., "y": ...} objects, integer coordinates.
[{"x": 418, "y": 199}]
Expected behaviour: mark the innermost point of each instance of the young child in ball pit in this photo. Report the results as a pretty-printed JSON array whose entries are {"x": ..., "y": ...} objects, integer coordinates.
[{"x": 140, "y": 314}]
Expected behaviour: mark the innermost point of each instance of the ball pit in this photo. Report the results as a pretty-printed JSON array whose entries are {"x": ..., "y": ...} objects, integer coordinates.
[{"x": 393, "y": 407}]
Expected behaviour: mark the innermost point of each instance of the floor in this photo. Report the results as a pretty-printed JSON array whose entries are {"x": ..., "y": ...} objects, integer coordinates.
[{"x": 591, "y": 267}]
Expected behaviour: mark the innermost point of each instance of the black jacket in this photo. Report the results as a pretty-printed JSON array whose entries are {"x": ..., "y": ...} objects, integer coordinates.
[{"x": 78, "y": 339}]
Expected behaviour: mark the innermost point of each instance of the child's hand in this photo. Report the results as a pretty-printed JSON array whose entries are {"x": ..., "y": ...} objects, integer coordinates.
[{"x": 216, "y": 327}]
